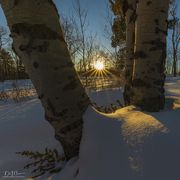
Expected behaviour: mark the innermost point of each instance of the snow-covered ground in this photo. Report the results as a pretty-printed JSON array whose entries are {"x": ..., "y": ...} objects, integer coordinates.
[
  {"x": 128, "y": 144},
  {"x": 9, "y": 84}
]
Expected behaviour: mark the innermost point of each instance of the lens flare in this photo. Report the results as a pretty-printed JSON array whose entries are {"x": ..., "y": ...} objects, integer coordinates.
[{"x": 99, "y": 65}]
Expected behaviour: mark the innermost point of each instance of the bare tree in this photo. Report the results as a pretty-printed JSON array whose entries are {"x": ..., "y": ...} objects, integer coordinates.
[
  {"x": 174, "y": 25},
  {"x": 71, "y": 35},
  {"x": 81, "y": 15},
  {"x": 169, "y": 61}
]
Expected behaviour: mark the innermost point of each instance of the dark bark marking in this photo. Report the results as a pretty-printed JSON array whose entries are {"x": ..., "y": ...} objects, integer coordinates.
[
  {"x": 51, "y": 119},
  {"x": 156, "y": 21},
  {"x": 63, "y": 112},
  {"x": 156, "y": 44},
  {"x": 16, "y": 2},
  {"x": 41, "y": 96},
  {"x": 49, "y": 1},
  {"x": 35, "y": 31},
  {"x": 35, "y": 65},
  {"x": 83, "y": 95},
  {"x": 52, "y": 109},
  {"x": 140, "y": 54},
  {"x": 39, "y": 48},
  {"x": 125, "y": 7},
  {"x": 140, "y": 83},
  {"x": 27, "y": 48},
  {"x": 158, "y": 30},
  {"x": 149, "y": 3},
  {"x": 68, "y": 128},
  {"x": 163, "y": 11},
  {"x": 71, "y": 85}
]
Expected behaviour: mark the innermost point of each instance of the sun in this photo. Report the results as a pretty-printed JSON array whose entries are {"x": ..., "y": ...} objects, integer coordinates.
[{"x": 99, "y": 65}]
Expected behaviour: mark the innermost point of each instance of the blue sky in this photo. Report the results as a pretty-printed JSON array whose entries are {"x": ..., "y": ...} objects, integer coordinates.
[
  {"x": 2, "y": 18},
  {"x": 97, "y": 12}
]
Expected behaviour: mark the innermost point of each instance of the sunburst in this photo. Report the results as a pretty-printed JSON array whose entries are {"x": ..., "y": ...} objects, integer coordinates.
[
  {"x": 98, "y": 74},
  {"x": 99, "y": 65}
]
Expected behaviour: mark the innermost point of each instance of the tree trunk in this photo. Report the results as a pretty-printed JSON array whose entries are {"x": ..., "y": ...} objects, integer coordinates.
[
  {"x": 174, "y": 72},
  {"x": 38, "y": 40},
  {"x": 150, "y": 54},
  {"x": 130, "y": 38}
]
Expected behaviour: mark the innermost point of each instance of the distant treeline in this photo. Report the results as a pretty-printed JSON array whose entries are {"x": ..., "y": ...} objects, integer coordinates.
[{"x": 11, "y": 66}]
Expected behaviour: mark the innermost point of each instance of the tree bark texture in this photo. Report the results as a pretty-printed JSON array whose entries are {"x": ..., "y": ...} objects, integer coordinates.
[
  {"x": 150, "y": 54},
  {"x": 38, "y": 40},
  {"x": 130, "y": 14}
]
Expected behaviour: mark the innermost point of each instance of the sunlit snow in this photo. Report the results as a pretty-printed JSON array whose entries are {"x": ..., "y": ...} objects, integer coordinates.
[{"x": 128, "y": 144}]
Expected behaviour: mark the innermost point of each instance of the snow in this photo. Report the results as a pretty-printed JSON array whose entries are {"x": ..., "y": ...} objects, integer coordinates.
[
  {"x": 22, "y": 127},
  {"x": 106, "y": 97},
  {"x": 128, "y": 144},
  {"x": 8, "y": 84}
]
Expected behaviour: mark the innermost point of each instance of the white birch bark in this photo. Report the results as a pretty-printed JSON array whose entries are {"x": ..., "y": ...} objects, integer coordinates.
[
  {"x": 38, "y": 40},
  {"x": 150, "y": 54}
]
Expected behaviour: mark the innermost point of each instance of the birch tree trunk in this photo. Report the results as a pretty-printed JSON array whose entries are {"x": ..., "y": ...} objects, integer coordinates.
[
  {"x": 150, "y": 54},
  {"x": 130, "y": 38},
  {"x": 38, "y": 40}
]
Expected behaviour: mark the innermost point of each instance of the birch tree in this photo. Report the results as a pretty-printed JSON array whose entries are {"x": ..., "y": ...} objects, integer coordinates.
[
  {"x": 38, "y": 40},
  {"x": 150, "y": 54}
]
